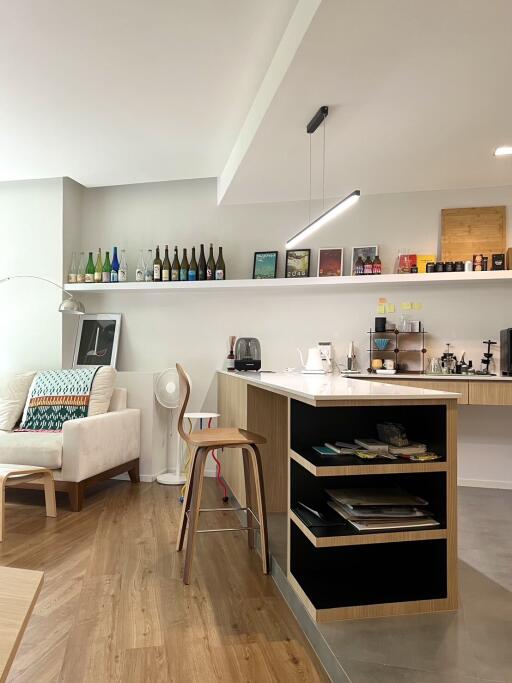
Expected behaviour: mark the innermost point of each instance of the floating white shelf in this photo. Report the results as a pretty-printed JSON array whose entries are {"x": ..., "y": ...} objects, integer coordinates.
[{"x": 314, "y": 282}]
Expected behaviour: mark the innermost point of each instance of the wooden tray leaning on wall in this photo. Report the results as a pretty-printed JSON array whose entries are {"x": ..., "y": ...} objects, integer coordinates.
[{"x": 476, "y": 230}]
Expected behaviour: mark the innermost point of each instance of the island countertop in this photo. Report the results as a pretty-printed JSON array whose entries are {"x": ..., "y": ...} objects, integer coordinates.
[{"x": 331, "y": 387}]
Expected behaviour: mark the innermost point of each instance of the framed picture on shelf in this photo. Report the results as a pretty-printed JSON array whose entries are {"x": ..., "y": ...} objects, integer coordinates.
[
  {"x": 297, "y": 262},
  {"x": 97, "y": 339},
  {"x": 265, "y": 265},
  {"x": 363, "y": 252},
  {"x": 330, "y": 262}
]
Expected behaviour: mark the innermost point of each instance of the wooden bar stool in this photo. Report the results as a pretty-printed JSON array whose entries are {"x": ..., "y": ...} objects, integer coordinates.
[{"x": 201, "y": 443}]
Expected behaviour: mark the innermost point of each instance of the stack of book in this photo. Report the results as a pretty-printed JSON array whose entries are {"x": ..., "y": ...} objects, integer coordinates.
[{"x": 385, "y": 509}]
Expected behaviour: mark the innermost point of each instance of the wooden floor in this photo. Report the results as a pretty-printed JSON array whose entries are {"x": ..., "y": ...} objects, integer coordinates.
[{"x": 113, "y": 606}]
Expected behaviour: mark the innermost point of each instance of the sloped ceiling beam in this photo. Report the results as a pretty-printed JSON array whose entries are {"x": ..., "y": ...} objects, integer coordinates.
[{"x": 290, "y": 42}]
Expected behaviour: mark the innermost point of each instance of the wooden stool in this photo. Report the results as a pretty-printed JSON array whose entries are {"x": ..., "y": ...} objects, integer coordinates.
[
  {"x": 11, "y": 475},
  {"x": 201, "y": 443}
]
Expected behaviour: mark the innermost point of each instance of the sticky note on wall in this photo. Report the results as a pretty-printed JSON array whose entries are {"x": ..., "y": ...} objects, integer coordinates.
[
  {"x": 390, "y": 308},
  {"x": 417, "y": 306},
  {"x": 381, "y": 308},
  {"x": 405, "y": 306}
]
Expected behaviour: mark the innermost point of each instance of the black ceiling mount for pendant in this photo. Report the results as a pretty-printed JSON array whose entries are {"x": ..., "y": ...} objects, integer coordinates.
[{"x": 317, "y": 119}]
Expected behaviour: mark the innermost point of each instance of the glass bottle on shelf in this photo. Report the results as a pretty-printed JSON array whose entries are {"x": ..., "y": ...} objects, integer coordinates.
[
  {"x": 98, "y": 269},
  {"x": 210, "y": 265},
  {"x": 201, "y": 267},
  {"x": 157, "y": 266},
  {"x": 107, "y": 268},
  {"x": 359, "y": 266},
  {"x": 73, "y": 269},
  {"x": 89, "y": 269},
  {"x": 166, "y": 266},
  {"x": 80, "y": 276},
  {"x": 140, "y": 271},
  {"x": 368, "y": 266},
  {"x": 175, "y": 268},
  {"x": 220, "y": 267},
  {"x": 123, "y": 267},
  {"x": 148, "y": 273},
  {"x": 192, "y": 269},
  {"x": 114, "y": 269},
  {"x": 377, "y": 266},
  {"x": 184, "y": 266}
]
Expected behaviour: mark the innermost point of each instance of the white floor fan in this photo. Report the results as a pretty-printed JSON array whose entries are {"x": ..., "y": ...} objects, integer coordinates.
[{"x": 167, "y": 393}]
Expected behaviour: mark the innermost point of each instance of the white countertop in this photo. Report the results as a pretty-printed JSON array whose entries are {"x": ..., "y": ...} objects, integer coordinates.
[
  {"x": 453, "y": 378},
  {"x": 333, "y": 387}
]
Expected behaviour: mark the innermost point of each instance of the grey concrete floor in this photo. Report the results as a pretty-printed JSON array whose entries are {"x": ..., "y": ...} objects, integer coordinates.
[{"x": 472, "y": 645}]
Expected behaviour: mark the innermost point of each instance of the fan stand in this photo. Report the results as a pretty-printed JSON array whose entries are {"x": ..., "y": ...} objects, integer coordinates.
[{"x": 172, "y": 478}]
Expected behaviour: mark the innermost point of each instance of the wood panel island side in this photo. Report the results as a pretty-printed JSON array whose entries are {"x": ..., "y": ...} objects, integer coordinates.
[{"x": 337, "y": 572}]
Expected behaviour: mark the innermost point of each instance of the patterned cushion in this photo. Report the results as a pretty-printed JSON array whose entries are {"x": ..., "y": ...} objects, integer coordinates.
[{"x": 57, "y": 396}]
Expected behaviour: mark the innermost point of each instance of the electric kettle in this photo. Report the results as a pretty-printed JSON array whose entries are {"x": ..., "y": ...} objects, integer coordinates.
[{"x": 313, "y": 365}]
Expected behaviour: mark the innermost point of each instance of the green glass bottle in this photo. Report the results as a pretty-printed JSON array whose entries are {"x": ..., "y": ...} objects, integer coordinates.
[
  {"x": 98, "y": 270},
  {"x": 184, "y": 266},
  {"x": 175, "y": 268},
  {"x": 89, "y": 270},
  {"x": 192, "y": 269},
  {"x": 107, "y": 267}
]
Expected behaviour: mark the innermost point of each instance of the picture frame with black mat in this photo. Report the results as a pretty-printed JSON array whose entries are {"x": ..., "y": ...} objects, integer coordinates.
[
  {"x": 265, "y": 265},
  {"x": 97, "y": 340},
  {"x": 297, "y": 263}
]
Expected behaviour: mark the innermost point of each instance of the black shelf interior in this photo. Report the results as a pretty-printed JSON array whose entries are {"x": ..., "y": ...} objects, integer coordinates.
[
  {"x": 312, "y": 426},
  {"x": 368, "y": 574},
  {"x": 310, "y": 490}
]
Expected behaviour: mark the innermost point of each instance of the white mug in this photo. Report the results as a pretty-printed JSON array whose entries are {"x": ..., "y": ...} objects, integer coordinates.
[{"x": 389, "y": 364}]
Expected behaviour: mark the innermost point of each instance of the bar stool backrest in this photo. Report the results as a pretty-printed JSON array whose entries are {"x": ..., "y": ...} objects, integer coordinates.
[{"x": 184, "y": 398}]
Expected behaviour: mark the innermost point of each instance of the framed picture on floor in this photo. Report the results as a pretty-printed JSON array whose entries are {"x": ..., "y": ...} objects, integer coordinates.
[
  {"x": 265, "y": 265},
  {"x": 363, "y": 252},
  {"x": 297, "y": 262},
  {"x": 330, "y": 262},
  {"x": 97, "y": 339}
]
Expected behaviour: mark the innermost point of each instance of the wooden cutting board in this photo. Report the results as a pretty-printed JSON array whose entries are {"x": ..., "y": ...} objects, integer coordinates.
[{"x": 476, "y": 230}]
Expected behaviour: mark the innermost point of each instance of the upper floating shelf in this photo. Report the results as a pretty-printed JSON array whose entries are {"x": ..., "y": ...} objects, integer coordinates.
[{"x": 320, "y": 282}]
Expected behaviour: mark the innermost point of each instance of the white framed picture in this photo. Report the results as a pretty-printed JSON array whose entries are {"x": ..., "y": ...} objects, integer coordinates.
[
  {"x": 97, "y": 339},
  {"x": 330, "y": 262},
  {"x": 363, "y": 252}
]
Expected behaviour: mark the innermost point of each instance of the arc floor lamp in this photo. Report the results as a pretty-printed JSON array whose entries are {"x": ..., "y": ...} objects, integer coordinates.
[{"x": 68, "y": 305}]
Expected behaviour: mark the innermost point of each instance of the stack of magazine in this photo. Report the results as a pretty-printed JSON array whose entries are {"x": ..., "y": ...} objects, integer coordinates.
[{"x": 384, "y": 509}]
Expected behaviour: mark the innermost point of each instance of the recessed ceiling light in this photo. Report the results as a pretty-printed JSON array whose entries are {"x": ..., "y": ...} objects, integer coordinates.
[{"x": 504, "y": 151}]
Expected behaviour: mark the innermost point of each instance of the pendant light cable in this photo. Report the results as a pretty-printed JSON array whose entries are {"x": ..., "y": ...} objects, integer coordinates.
[
  {"x": 323, "y": 170},
  {"x": 309, "y": 220}
]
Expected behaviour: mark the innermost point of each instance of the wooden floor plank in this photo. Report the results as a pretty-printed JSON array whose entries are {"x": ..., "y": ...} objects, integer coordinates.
[{"x": 114, "y": 609}]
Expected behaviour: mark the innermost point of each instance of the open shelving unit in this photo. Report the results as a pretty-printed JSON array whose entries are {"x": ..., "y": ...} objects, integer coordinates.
[
  {"x": 309, "y": 282},
  {"x": 340, "y": 573}
]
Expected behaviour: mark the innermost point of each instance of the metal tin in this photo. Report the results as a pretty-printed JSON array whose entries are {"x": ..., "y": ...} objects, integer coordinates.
[
  {"x": 439, "y": 267},
  {"x": 448, "y": 267},
  {"x": 459, "y": 266},
  {"x": 431, "y": 266}
]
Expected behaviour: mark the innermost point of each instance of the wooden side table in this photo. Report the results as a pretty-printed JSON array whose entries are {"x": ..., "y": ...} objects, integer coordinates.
[{"x": 11, "y": 475}]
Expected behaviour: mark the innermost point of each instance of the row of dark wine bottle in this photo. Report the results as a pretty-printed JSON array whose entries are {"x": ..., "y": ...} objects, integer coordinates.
[{"x": 148, "y": 269}]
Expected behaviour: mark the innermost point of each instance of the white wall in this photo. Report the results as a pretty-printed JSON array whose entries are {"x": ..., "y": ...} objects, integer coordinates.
[
  {"x": 193, "y": 327},
  {"x": 31, "y": 233}
]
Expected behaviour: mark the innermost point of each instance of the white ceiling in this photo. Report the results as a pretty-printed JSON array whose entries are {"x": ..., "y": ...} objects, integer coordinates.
[
  {"x": 419, "y": 95},
  {"x": 123, "y": 91}
]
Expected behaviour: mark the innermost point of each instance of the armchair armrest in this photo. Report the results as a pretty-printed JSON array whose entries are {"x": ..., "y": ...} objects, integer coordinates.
[{"x": 91, "y": 445}]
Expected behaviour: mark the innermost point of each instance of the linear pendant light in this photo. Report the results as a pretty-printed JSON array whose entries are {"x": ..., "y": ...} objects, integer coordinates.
[{"x": 334, "y": 211}]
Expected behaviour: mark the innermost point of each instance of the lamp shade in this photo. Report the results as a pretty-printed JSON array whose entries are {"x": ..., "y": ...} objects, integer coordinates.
[{"x": 72, "y": 306}]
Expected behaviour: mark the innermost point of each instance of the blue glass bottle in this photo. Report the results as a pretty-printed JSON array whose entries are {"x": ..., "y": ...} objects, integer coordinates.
[{"x": 114, "y": 273}]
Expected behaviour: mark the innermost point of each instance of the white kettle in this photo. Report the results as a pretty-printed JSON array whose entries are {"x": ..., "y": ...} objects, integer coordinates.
[{"x": 313, "y": 363}]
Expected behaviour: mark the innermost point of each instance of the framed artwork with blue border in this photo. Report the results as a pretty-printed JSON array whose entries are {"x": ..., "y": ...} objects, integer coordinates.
[{"x": 265, "y": 265}]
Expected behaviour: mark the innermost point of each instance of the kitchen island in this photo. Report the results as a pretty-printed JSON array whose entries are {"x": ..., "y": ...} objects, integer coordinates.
[{"x": 335, "y": 571}]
